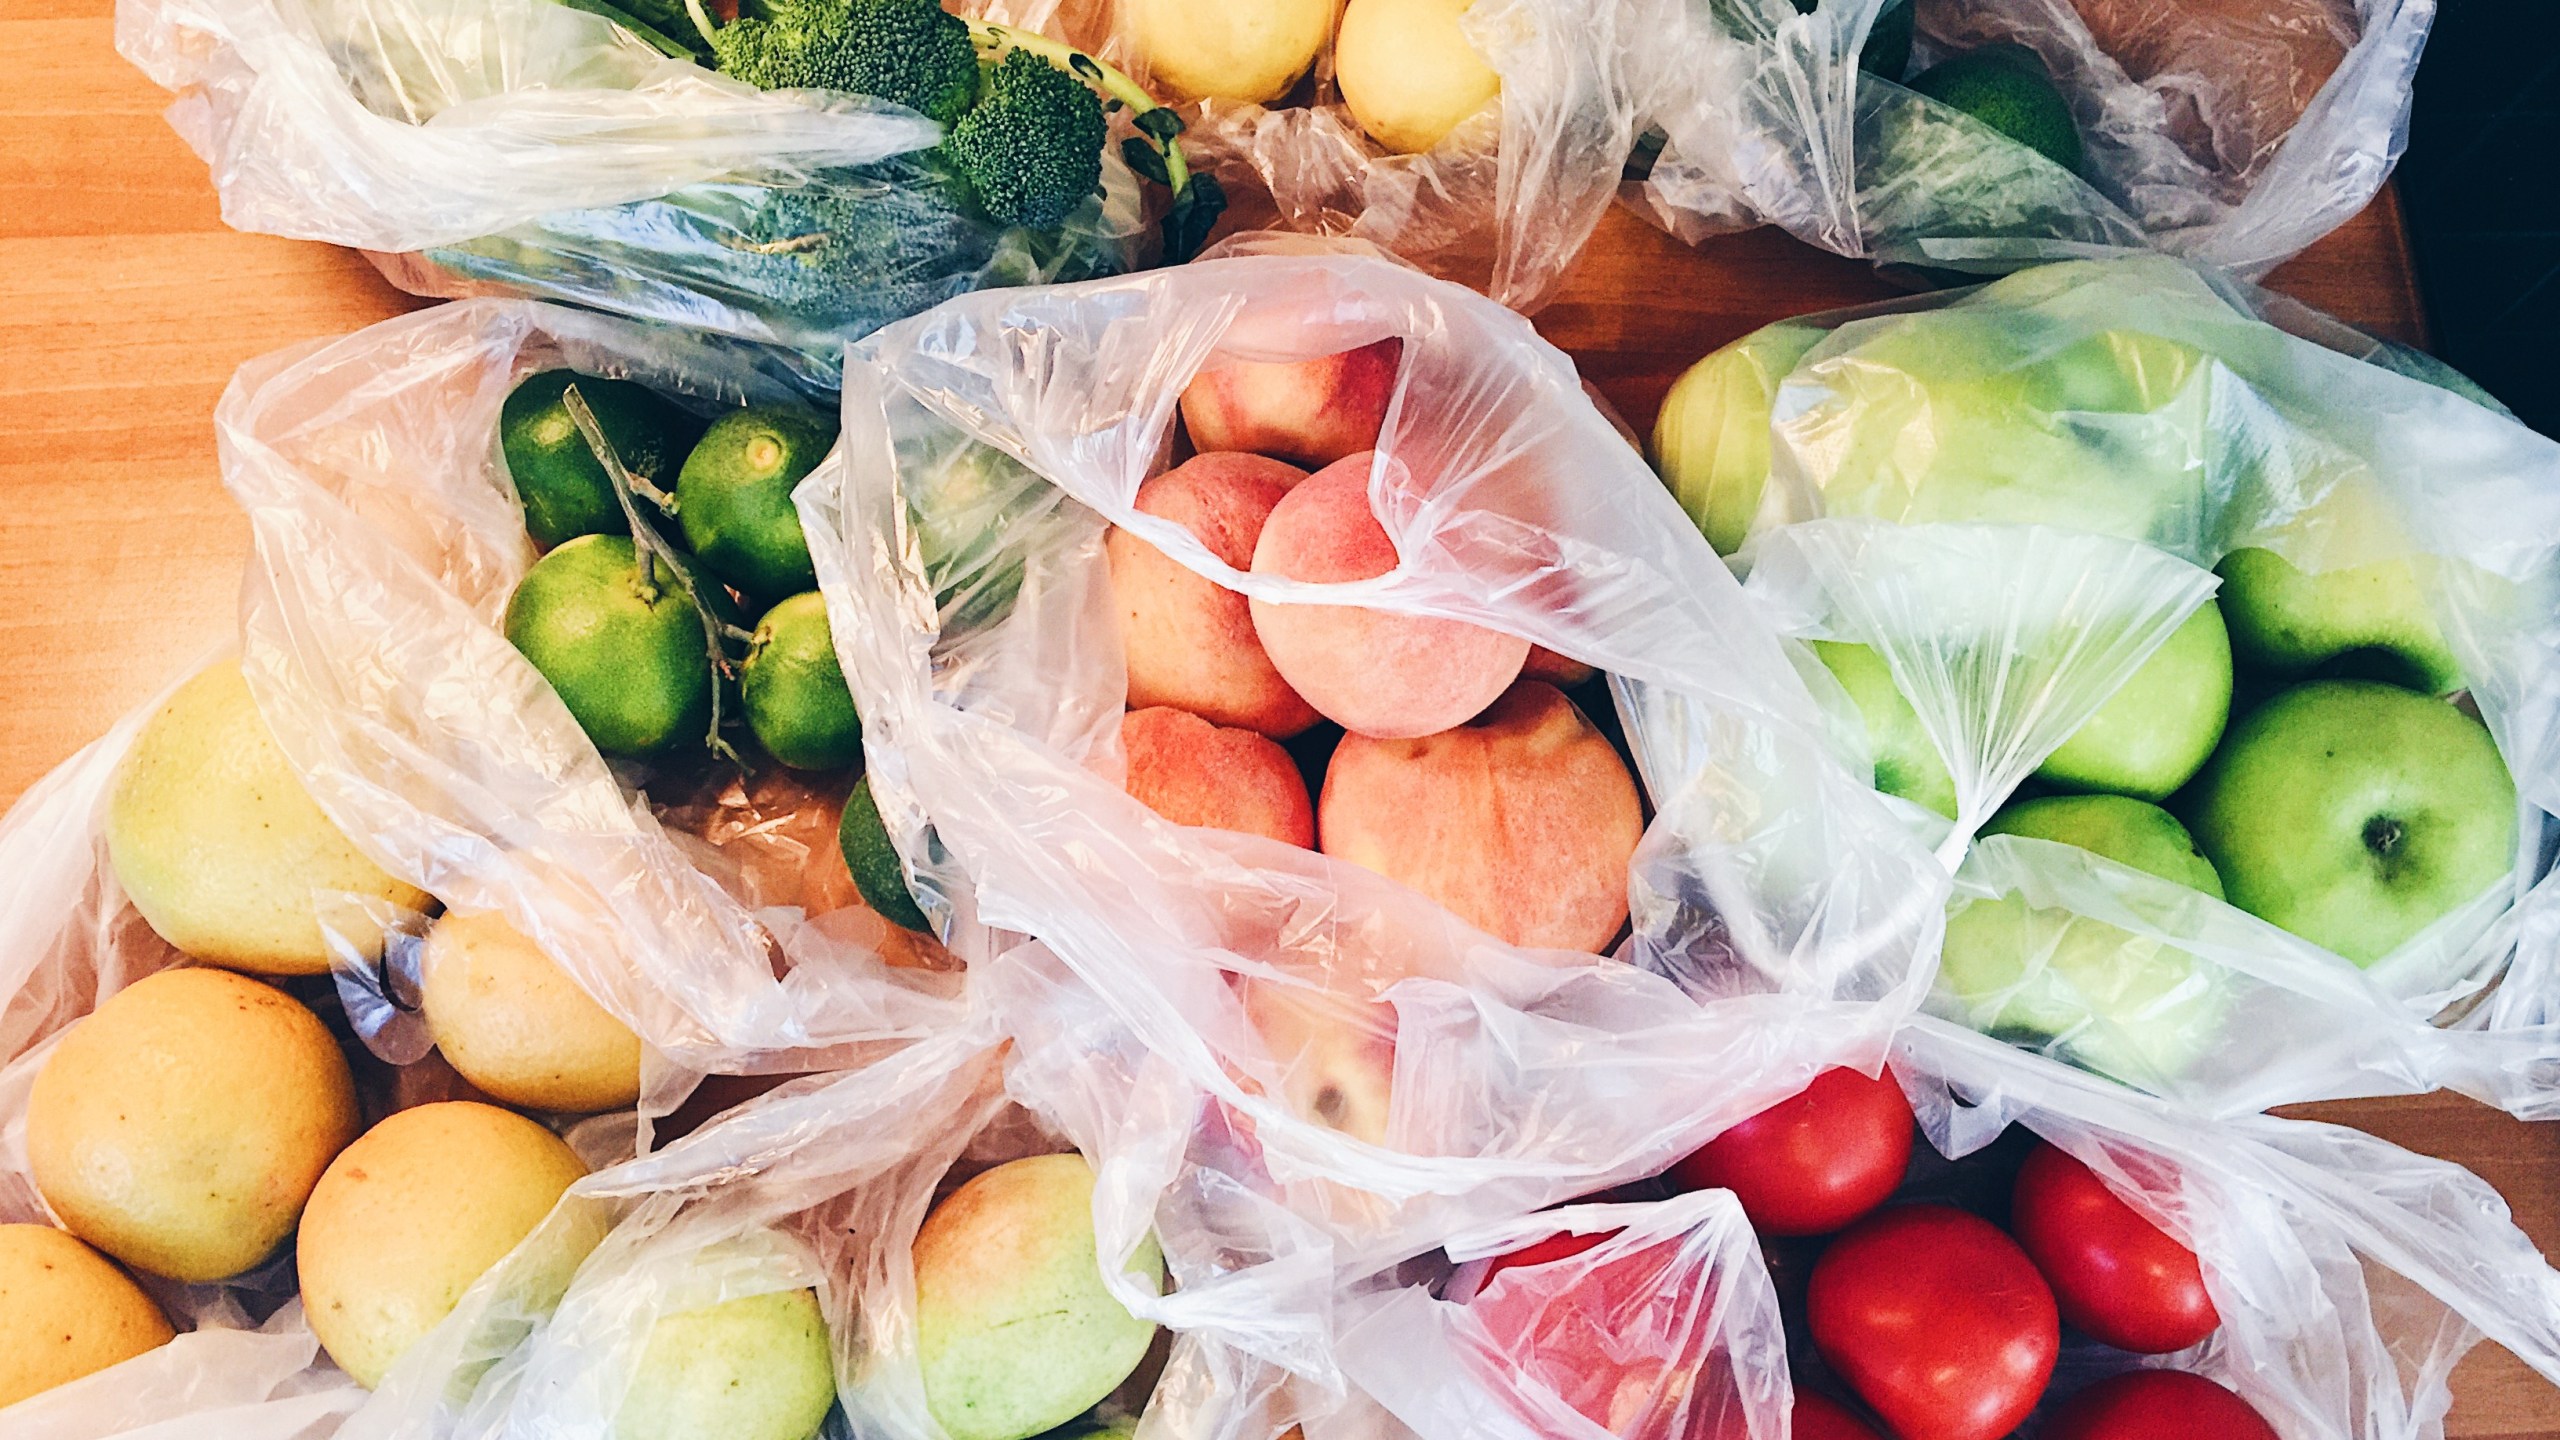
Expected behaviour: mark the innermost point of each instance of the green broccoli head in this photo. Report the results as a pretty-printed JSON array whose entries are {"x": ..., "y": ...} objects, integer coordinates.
[
  {"x": 912, "y": 52},
  {"x": 1031, "y": 148}
]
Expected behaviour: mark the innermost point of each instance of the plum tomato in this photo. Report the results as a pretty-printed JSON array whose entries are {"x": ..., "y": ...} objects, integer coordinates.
[
  {"x": 1819, "y": 1417},
  {"x": 2117, "y": 1277},
  {"x": 1937, "y": 1320},
  {"x": 2157, "y": 1405},
  {"x": 1814, "y": 1162},
  {"x": 1563, "y": 1245}
]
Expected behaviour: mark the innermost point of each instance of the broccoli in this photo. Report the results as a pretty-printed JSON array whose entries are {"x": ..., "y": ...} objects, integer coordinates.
[
  {"x": 913, "y": 52},
  {"x": 1026, "y": 124},
  {"x": 1031, "y": 148}
]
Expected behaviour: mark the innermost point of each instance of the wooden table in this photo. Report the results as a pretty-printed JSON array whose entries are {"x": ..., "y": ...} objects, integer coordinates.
[{"x": 125, "y": 305}]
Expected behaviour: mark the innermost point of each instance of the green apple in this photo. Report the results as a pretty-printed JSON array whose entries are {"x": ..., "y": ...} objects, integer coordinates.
[
  {"x": 2121, "y": 1004},
  {"x": 1711, "y": 441},
  {"x": 2368, "y": 618},
  {"x": 1014, "y": 1328},
  {"x": 2355, "y": 814},
  {"x": 1907, "y": 762},
  {"x": 2160, "y": 726},
  {"x": 756, "y": 1368}
]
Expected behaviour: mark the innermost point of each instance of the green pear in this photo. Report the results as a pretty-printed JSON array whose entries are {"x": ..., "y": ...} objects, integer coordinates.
[
  {"x": 1711, "y": 441},
  {"x": 2132, "y": 1006},
  {"x": 2371, "y": 618},
  {"x": 756, "y": 1368},
  {"x": 1907, "y": 761},
  {"x": 2160, "y": 726},
  {"x": 2355, "y": 814},
  {"x": 1014, "y": 1328}
]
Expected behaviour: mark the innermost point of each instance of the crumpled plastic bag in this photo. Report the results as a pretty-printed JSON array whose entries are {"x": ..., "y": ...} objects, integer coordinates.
[
  {"x": 2235, "y": 133},
  {"x": 533, "y": 147},
  {"x": 2016, "y": 493},
  {"x": 1507, "y": 200},
  {"x": 1779, "y": 909},
  {"x": 386, "y": 542},
  {"x": 2350, "y": 1275}
]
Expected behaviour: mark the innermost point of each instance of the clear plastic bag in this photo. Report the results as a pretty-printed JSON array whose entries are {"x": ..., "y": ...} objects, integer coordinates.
[
  {"x": 2349, "y": 1275},
  {"x": 1506, "y": 201},
  {"x": 1778, "y": 906},
  {"x": 2016, "y": 495},
  {"x": 387, "y": 540},
  {"x": 532, "y": 147},
  {"x": 2231, "y": 133}
]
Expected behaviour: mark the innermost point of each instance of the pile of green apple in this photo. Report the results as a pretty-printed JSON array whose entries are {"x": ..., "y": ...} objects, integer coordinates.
[{"x": 2300, "y": 746}]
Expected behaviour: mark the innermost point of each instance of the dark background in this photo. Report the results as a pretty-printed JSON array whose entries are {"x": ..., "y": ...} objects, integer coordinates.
[{"x": 2483, "y": 199}]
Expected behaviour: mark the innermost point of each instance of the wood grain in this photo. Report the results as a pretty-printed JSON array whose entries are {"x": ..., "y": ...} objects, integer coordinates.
[{"x": 125, "y": 306}]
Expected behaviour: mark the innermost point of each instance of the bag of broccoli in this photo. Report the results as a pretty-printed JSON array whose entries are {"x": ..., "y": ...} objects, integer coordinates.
[
  {"x": 797, "y": 176},
  {"x": 1981, "y": 135},
  {"x": 2216, "y": 660}
]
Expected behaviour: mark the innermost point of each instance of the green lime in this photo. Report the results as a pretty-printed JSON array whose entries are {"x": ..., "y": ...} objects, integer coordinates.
[
  {"x": 734, "y": 497},
  {"x": 2007, "y": 88},
  {"x": 559, "y": 481},
  {"x": 629, "y": 657},
  {"x": 877, "y": 871},
  {"x": 796, "y": 698}
]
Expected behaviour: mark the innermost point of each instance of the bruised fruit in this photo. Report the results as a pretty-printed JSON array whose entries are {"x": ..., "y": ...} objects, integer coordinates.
[
  {"x": 1194, "y": 773},
  {"x": 1522, "y": 822},
  {"x": 1337, "y": 1055},
  {"x": 1373, "y": 672}
]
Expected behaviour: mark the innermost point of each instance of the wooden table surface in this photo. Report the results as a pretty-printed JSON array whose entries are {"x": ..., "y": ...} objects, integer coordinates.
[{"x": 125, "y": 305}]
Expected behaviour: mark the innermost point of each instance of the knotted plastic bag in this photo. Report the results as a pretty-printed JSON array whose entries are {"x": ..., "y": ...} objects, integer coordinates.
[
  {"x": 2235, "y": 133},
  {"x": 387, "y": 541},
  {"x": 2016, "y": 496},
  {"x": 1322, "y": 1067},
  {"x": 535, "y": 147}
]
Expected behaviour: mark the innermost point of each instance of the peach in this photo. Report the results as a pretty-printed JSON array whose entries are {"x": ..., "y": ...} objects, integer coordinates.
[
  {"x": 1373, "y": 672},
  {"x": 1522, "y": 822},
  {"x": 1337, "y": 1055},
  {"x": 1557, "y": 670},
  {"x": 1189, "y": 641},
  {"x": 1307, "y": 412},
  {"x": 1194, "y": 773}
]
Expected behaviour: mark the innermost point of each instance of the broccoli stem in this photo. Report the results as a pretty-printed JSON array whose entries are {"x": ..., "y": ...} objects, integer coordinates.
[
  {"x": 993, "y": 38},
  {"x": 701, "y": 19}
]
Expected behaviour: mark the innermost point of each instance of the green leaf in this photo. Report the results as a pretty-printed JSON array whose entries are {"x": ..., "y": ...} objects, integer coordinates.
[{"x": 661, "y": 25}]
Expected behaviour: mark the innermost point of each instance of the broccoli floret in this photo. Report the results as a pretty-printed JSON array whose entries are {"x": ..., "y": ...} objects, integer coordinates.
[
  {"x": 1031, "y": 148},
  {"x": 913, "y": 52}
]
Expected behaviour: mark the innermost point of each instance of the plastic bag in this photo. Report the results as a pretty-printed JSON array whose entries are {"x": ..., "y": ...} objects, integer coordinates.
[
  {"x": 2234, "y": 133},
  {"x": 1506, "y": 201},
  {"x": 1778, "y": 908},
  {"x": 532, "y": 147},
  {"x": 2350, "y": 1275},
  {"x": 2016, "y": 495},
  {"x": 387, "y": 540}
]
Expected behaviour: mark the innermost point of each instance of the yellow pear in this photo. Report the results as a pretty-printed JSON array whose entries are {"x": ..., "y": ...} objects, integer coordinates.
[
  {"x": 65, "y": 1311},
  {"x": 513, "y": 1022},
  {"x": 411, "y": 1214},
  {"x": 219, "y": 846},
  {"x": 1251, "y": 50},
  {"x": 180, "y": 1127},
  {"x": 1407, "y": 71}
]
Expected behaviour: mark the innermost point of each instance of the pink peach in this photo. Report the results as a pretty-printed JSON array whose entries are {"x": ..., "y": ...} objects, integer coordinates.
[
  {"x": 1375, "y": 672},
  {"x": 1194, "y": 773},
  {"x": 1557, "y": 670},
  {"x": 1189, "y": 641},
  {"x": 1522, "y": 822},
  {"x": 1337, "y": 1055},
  {"x": 1307, "y": 412}
]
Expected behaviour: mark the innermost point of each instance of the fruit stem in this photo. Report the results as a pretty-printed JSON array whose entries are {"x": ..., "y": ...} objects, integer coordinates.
[
  {"x": 650, "y": 549},
  {"x": 2382, "y": 836}
]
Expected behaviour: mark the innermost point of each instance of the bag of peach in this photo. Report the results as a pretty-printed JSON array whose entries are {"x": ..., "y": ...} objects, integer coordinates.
[
  {"x": 1377, "y": 619},
  {"x": 1981, "y": 135},
  {"x": 2216, "y": 652}
]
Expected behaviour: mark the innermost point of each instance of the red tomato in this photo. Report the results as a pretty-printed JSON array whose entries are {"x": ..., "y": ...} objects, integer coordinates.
[
  {"x": 1814, "y": 1162},
  {"x": 1625, "y": 1342},
  {"x": 1937, "y": 1320},
  {"x": 2115, "y": 1275},
  {"x": 1563, "y": 1246},
  {"x": 2157, "y": 1405},
  {"x": 1819, "y": 1417}
]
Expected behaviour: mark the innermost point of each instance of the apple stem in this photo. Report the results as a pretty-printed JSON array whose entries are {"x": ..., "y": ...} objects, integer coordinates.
[{"x": 2382, "y": 835}]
